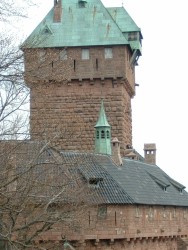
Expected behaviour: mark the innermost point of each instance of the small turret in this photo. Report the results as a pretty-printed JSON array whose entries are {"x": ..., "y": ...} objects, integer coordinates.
[{"x": 102, "y": 133}]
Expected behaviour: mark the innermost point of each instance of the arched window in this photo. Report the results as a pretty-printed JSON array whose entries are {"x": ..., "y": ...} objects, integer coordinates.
[
  {"x": 97, "y": 134},
  {"x": 107, "y": 134},
  {"x": 102, "y": 134}
]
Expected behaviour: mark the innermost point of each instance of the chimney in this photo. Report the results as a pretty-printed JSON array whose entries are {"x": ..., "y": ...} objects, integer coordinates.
[
  {"x": 57, "y": 11},
  {"x": 116, "y": 152},
  {"x": 150, "y": 153}
]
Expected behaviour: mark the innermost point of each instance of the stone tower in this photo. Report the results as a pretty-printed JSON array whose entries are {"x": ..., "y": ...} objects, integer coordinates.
[{"x": 79, "y": 54}]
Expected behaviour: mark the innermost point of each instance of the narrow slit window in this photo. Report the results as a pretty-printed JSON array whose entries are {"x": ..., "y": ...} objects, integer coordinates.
[
  {"x": 97, "y": 64},
  {"x": 74, "y": 65}
]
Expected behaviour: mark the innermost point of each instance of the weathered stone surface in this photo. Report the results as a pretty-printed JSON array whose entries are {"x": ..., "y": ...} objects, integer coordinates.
[{"x": 65, "y": 111}]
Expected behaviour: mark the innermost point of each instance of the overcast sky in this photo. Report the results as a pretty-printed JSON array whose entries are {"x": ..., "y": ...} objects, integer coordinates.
[{"x": 160, "y": 105}]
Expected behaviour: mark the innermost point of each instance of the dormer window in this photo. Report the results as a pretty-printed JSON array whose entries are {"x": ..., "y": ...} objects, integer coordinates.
[
  {"x": 176, "y": 184},
  {"x": 133, "y": 36},
  {"x": 85, "y": 54},
  {"x": 82, "y": 4},
  {"x": 108, "y": 53},
  {"x": 94, "y": 182},
  {"x": 161, "y": 183}
]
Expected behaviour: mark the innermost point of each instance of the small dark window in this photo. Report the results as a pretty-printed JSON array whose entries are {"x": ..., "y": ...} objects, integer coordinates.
[
  {"x": 107, "y": 134},
  {"x": 89, "y": 215},
  {"x": 93, "y": 181},
  {"x": 74, "y": 65},
  {"x": 97, "y": 134},
  {"x": 102, "y": 134},
  {"x": 97, "y": 64},
  {"x": 132, "y": 36},
  {"x": 82, "y": 4},
  {"x": 102, "y": 212}
]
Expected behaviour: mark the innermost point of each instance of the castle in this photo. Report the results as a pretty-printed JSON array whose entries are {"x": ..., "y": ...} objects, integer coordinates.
[{"x": 81, "y": 59}]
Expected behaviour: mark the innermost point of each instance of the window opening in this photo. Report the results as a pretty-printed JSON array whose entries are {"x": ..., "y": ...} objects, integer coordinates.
[
  {"x": 137, "y": 211},
  {"x": 102, "y": 134},
  {"x": 63, "y": 55},
  {"x": 89, "y": 217},
  {"x": 74, "y": 65},
  {"x": 97, "y": 134},
  {"x": 97, "y": 64},
  {"x": 108, "y": 53},
  {"x": 82, "y": 4},
  {"x": 115, "y": 219},
  {"x": 132, "y": 36},
  {"x": 107, "y": 134},
  {"x": 42, "y": 56},
  {"x": 85, "y": 54},
  {"x": 102, "y": 212}
]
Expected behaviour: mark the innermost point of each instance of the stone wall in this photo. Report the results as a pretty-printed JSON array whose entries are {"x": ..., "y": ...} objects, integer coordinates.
[
  {"x": 127, "y": 227},
  {"x": 65, "y": 102},
  {"x": 67, "y": 115}
]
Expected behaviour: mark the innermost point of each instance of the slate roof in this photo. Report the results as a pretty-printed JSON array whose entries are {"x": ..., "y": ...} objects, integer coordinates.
[
  {"x": 91, "y": 26},
  {"x": 134, "y": 182}
]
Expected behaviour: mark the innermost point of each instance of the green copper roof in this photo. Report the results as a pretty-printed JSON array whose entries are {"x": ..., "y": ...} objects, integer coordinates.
[
  {"x": 102, "y": 133},
  {"x": 127, "y": 26},
  {"x": 102, "y": 120},
  {"x": 123, "y": 19},
  {"x": 90, "y": 26}
]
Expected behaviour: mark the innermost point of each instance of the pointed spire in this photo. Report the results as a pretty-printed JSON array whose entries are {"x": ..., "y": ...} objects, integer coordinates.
[
  {"x": 102, "y": 120},
  {"x": 102, "y": 133}
]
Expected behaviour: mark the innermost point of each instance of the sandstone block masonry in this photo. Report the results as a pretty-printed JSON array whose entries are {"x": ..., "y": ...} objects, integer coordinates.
[
  {"x": 66, "y": 92},
  {"x": 130, "y": 227}
]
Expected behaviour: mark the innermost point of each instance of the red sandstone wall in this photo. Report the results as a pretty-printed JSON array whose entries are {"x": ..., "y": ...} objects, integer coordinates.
[
  {"x": 67, "y": 112},
  {"x": 137, "y": 222},
  {"x": 51, "y": 66},
  {"x": 128, "y": 227}
]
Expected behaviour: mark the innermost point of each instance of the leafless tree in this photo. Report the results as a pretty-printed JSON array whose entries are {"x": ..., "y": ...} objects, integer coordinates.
[
  {"x": 13, "y": 92},
  {"x": 40, "y": 190}
]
